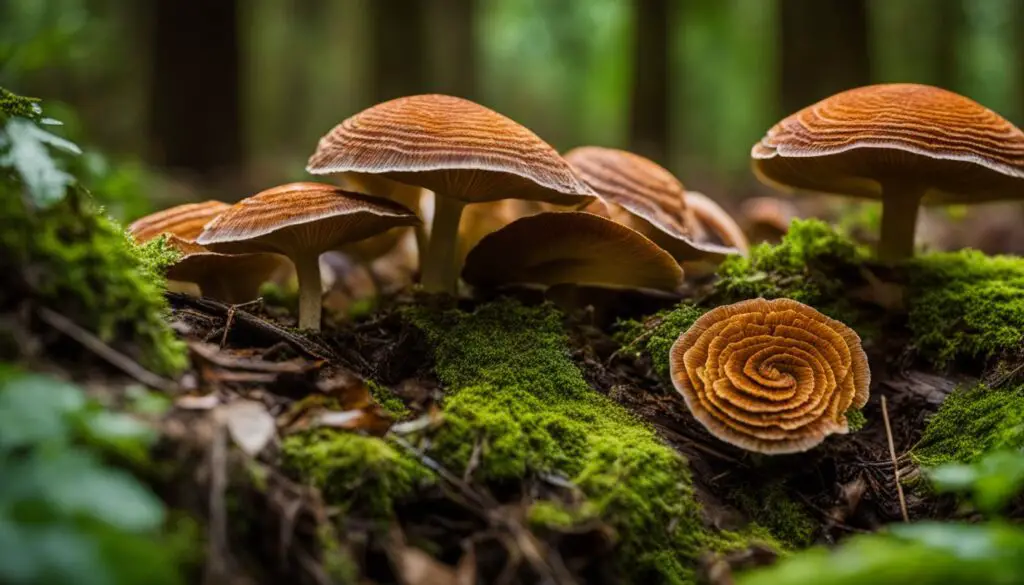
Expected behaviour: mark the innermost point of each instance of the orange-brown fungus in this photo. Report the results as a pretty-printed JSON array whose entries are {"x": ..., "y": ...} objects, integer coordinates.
[
  {"x": 770, "y": 376},
  {"x": 185, "y": 221}
]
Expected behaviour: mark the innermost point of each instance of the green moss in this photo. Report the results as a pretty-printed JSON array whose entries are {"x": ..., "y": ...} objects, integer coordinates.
[
  {"x": 771, "y": 507},
  {"x": 512, "y": 388},
  {"x": 75, "y": 260},
  {"x": 966, "y": 305},
  {"x": 12, "y": 104},
  {"x": 971, "y": 422},
  {"x": 391, "y": 404},
  {"x": 807, "y": 266},
  {"x": 363, "y": 474},
  {"x": 856, "y": 420},
  {"x": 655, "y": 336},
  {"x": 548, "y": 514}
]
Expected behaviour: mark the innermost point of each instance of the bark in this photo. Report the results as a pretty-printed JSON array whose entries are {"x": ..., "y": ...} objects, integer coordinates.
[
  {"x": 195, "y": 86},
  {"x": 650, "y": 117}
]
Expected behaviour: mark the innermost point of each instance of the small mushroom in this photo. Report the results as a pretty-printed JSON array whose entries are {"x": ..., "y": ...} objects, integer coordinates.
[
  {"x": 184, "y": 221},
  {"x": 767, "y": 219},
  {"x": 716, "y": 221},
  {"x": 571, "y": 247},
  {"x": 770, "y": 376},
  {"x": 232, "y": 278},
  {"x": 301, "y": 221},
  {"x": 904, "y": 144},
  {"x": 460, "y": 150}
]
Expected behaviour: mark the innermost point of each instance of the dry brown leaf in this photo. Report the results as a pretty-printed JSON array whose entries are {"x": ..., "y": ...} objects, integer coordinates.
[{"x": 249, "y": 423}]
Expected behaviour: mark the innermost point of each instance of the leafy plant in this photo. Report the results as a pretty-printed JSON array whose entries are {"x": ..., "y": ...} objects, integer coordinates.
[{"x": 66, "y": 516}]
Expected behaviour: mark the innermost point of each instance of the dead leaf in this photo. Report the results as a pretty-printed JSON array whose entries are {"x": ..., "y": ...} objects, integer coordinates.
[
  {"x": 192, "y": 402},
  {"x": 250, "y": 425}
]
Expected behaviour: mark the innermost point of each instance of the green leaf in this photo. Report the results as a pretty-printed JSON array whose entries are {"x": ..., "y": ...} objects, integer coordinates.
[
  {"x": 33, "y": 410},
  {"x": 28, "y": 153},
  {"x": 992, "y": 481},
  {"x": 31, "y": 554},
  {"x": 74, "y": 483}
]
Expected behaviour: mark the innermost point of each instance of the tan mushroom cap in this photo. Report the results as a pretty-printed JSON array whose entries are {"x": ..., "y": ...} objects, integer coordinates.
[
  {"x": 856, "y": 141},
  {"x": 643, "y": 195},
  {"x": 302, "y": 218},
  {"x": 452, "y": 146},
  {"x": 185, "y": 221},
  {"x": 716, "y": 220},
  {"x": 571, "y": 247},
  {"x": 232, "y": 278},
  {"x": 770, "y": 376}
]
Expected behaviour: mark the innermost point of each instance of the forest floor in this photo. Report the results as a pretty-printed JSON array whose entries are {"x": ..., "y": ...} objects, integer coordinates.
[{"x": 506, "y": 440}]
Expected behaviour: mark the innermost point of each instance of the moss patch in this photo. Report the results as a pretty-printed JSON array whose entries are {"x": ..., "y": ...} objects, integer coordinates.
[
  {"x": 971, "y": 422},
  {"x": 655, "y": 336},
  {"x": 12, "y": 104},
  {"x": 366, "y": 475},
  {"x": 512, "y": 387},
  {"x": 387, "y": 400},
  {"x": 75, "y": 260},
  {"x": 966, "y": 305},
  {"x": 787, "y": 520}
]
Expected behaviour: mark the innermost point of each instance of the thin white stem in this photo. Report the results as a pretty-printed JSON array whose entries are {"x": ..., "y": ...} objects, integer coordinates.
[
  {"x": 307, "y": 268},
  {"x": 439, "y": 270}
]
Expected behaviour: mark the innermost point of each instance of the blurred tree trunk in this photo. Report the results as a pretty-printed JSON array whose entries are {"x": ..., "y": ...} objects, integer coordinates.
[
  {"x": 824, "y": 49},
  {"x": 1018, "y": 40},
  {"x": 195, "y": 113},
  {"x": 454, "y": 40},
  {"x": 949, "y": 18},
  {"x": 652, "y": 50},
  {"x": 397, "y": 63}
]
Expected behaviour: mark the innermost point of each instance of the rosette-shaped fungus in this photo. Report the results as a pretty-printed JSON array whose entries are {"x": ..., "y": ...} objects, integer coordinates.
[{"x": 771, "y": 376}]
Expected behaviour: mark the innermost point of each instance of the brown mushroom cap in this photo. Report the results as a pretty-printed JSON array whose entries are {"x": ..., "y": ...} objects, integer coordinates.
[
  {"x": 232, "y": 278},
  {"x": 854, "y": 142},
  {"x": 571, "y": 247},
  {"x": 903, "y": 143},
  {"x": 185, "y": 221},
  {"x": 770, "y": 376},
  {"x": 368, "y": 250},
  {"x": 451, "y": 146},
  {"x": 301, "y": 219},
  {"x": 641, "y": 194},
  {"x": 710, "y": 215}
]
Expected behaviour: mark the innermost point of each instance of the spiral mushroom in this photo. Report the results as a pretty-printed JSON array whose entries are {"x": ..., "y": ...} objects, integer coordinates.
[{"x": 770, "y": 376}]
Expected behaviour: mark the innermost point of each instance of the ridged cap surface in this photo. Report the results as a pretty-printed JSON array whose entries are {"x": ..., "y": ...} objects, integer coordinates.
[
  {"x": 185, "y": 221},
  {"x": 302, "y": 218},
  {"x": 902, "y": 133},
  {"x": 452, "y": 146},
  {"x": 770, "y": 376}
]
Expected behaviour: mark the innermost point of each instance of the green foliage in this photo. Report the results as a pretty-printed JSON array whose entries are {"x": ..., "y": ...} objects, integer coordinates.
[
  {"x": 80, "y": 263},
  {"x": 923, "y": 554},
  {"x": 65, "y": 516},
  {"x": 512, "y": 388},
  {"x": 856, "y": 420},
  {"x": 365, "y": 475},
  {"x": 991, "y": 481},
  {"x": 966, "y": 305},
  {"x": 25, "y": 150},
  {"x": 972, "y": 422}
]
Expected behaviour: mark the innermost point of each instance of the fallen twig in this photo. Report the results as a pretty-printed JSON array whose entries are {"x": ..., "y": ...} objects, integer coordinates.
[
  {"x": 895, "y": 465},
  {"x": 104, "y": 351}
]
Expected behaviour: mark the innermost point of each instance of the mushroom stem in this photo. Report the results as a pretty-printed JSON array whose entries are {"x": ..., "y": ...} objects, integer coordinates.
[
  {"x": 900, "y": 205},
  {"x": 307, "y": 268},
  {"x": 439, "y": 272}
]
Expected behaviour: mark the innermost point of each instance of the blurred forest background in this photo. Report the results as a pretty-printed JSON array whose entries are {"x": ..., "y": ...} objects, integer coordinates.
[{"x": 190, "y": 99}]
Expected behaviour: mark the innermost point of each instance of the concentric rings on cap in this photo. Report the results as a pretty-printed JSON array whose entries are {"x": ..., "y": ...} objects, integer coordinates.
[
  {"x": 770, "y": 376},
  {"x": 852, "y": 142},
  {"x": 451, "y": 146},
  {"x": 185, "y": 221}
]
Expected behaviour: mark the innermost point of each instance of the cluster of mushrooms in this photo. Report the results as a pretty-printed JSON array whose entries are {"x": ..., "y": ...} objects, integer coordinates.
[{"x": 508, "y": 210}]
